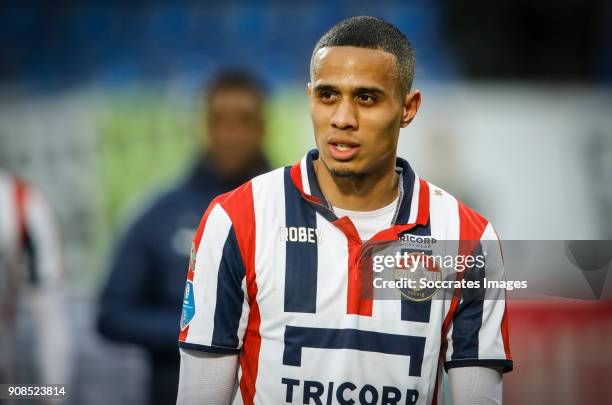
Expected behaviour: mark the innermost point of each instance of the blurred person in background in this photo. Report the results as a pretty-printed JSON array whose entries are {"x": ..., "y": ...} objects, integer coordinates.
[
  {"x": 140, "y": 303},
  {"x": 30, "y": 301}
]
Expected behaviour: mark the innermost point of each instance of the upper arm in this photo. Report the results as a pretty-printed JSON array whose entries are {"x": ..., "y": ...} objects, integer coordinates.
[
  {"x": 207, "y": 378},
  {"x": 478, "y": 335},
  {"x": 215, "y": 307},
  {"x": 475, "y": 386}
]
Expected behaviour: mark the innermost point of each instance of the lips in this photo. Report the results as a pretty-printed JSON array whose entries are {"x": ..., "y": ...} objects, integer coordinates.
[{"x": 342, "y": 149}]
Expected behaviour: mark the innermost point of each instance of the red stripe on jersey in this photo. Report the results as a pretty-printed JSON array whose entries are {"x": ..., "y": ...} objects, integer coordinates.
[
  {"x": 296, "y": 177},
  {"x": 20, "y": 197},
  {"x": 196, "y": 244},
  {"x": 359, "y": 297},
  {"x": 241, "y": 210},
  {"x": 423, "y": 214},
  {"x": 471, "y": 227},
  {"x": 358, "y": 300},
  {"x": 505, "y": 333},
  {"x": 198, "y": 235},
  {"x": 184, "y": 333}
]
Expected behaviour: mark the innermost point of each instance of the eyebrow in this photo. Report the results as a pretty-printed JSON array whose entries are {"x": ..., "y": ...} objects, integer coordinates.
[
  {"x": 374, "y": 90},
  {"x": 358, "y": 90},
  {"x": 324, "y": 87}
]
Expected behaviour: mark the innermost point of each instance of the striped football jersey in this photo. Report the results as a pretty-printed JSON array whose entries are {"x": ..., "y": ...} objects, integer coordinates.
[{"x": 274, "y": 277}]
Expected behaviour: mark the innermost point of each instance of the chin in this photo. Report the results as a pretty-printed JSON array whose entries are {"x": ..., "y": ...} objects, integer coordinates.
[
  {"x": 338, "y": 168},
  {"x": 344, "y": 170},
  {"x": 342, "y": 173}
]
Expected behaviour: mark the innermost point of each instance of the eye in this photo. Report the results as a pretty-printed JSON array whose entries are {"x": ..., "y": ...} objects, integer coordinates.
[
  {"x": 328, "y": 96},
  {"x": 365, "y": 99}
]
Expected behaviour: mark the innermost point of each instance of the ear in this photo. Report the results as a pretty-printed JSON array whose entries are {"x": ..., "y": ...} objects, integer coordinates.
[
  {"x": 412, "y": 102},
  {"x": 309, "y": 89}
]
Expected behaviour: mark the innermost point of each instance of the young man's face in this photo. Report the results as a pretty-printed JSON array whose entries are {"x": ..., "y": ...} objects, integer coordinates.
[
  {"x": 357, "y": 109},
  {"x": 235, "y": 129}
]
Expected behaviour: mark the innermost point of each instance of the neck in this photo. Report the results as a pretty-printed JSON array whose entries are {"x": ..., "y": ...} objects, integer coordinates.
[{"x": 359, "y": 193}]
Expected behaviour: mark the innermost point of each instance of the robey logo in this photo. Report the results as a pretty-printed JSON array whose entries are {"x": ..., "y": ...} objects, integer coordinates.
[{"x": 300, "y": 234}]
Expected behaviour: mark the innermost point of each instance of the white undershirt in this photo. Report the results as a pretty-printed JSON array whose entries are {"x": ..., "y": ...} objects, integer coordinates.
[
  {"x": 209, "y": 378},
  {"x": 368, "y": 223}
]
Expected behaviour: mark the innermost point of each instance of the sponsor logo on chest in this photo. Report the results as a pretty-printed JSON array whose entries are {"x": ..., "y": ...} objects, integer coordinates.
[
  {"x": 300, "y": 234},
  {"x": 417, "y": 241}
]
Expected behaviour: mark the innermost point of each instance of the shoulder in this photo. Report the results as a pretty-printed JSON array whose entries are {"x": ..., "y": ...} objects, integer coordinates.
[
  {"x": 446, "y": 207},
  {"x": 239, "y": 204},
  {"x": 234, "y": 213},
  {"x": 260, "y": 189}
]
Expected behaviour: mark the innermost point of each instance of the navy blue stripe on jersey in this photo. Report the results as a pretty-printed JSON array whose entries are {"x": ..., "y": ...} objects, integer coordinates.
[
  {"x": 468, "y": 316},
  {"x": 312, "y": 178},
  {"x": 207, "y": 349},
  {"x": 298, "y": 337},
  {"x": 505, "y": 365},
  {"x": 301, "y": 256},
  {"x": 230, "y": 295},
  {"x": 408, "y": 178},
  {"x": 414, "y": 311},
  {"x": 315, "y": 191}
]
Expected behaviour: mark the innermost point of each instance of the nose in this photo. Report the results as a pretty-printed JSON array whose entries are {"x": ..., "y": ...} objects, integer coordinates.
[{"x": 345, "y": 116}]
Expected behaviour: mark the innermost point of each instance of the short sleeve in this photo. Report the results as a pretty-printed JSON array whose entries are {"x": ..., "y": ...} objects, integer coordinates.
[
  {"x": 478, "y": 335},
  {"x": 215, "y": 309}
]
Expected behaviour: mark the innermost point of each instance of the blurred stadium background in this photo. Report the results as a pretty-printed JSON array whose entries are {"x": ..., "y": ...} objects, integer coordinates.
[{"x": 100, "y": 107}]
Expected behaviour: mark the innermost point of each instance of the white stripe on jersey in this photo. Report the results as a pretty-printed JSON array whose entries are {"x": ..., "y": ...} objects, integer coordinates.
[
  {"x": 269, "y": 266},
  {"x": 443, "y": 214},
  {"x": 305, "y": 183},
  {"x": 492, "y": 346},
  {"x": 444, "y": 221},
  {"x": 330, "y": 277},
  {"x": 414, "y": 204},
  {"x": 208, "y": 259}
]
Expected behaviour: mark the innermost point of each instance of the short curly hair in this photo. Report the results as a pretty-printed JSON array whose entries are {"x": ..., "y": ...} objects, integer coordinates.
[{"x": 373, "y": 33}]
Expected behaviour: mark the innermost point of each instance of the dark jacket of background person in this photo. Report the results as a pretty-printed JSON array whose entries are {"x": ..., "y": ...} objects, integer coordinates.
[{"x": 141, "y": 301}]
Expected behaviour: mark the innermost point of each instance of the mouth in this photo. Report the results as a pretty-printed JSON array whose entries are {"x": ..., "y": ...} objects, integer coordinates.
[{"x": 342, "y": 150}]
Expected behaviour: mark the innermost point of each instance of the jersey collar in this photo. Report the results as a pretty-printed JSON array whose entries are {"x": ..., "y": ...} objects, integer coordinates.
[{"x": 414, "y": 192}]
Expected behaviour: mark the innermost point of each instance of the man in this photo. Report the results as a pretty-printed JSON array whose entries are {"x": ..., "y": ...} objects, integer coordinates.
[
  {"x": 142, "y": 297},
  {"x": 274, "y": 299},
  {"x": 30, "y": 282}
]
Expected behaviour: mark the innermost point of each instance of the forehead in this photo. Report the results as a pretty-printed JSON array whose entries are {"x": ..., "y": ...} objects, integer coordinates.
[
  {"x": 354, "y": 67},
  {"x": 233, "y": 98}
]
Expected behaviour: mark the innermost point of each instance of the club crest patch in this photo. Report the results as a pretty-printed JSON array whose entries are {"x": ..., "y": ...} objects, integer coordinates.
[{"x": 188, "y": 305}]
